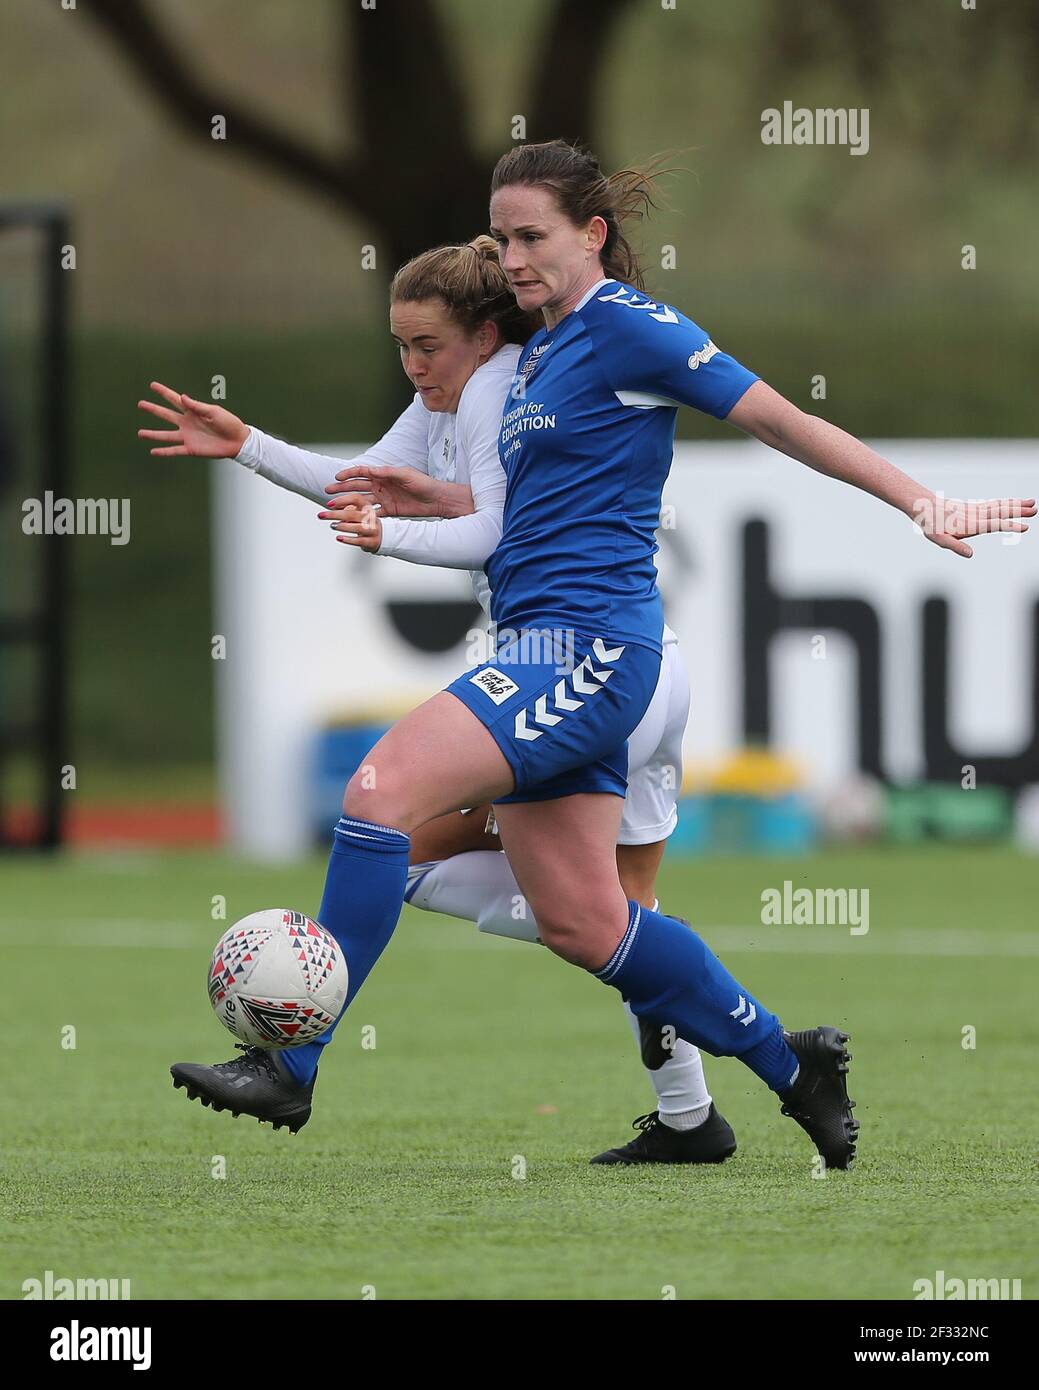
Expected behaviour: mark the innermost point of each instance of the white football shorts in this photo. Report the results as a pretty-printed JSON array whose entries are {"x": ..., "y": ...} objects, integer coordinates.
[{"x": 655, "y": 755}]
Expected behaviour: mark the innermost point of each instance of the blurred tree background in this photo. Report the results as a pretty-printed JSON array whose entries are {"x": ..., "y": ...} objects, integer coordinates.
[{"x": 351, "y": 128}]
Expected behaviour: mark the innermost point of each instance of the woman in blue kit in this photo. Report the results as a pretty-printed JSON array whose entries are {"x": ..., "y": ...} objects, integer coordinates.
[{"x": 586, "y": 443}]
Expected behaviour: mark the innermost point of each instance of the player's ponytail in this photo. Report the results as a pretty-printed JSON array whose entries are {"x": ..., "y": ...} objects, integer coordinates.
[
  {"x": 583, "y": 191},
  {"x": 470, "y": 281}
]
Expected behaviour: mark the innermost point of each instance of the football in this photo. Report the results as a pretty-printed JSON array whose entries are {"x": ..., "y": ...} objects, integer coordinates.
[{"x": 277, "y": 979}]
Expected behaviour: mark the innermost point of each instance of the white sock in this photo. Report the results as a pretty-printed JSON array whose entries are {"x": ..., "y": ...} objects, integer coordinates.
[
  {"x": 683, "y": 1100},
  {"x": 480, "y": 887}
]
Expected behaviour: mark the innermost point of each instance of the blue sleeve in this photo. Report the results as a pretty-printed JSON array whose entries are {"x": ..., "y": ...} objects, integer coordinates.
[{"x": 647, "y": 348}]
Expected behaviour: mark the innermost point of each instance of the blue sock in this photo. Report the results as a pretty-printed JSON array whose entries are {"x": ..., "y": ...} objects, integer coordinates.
[
  {"x": 364, "y": 891},
  {"x": 669, "y": 976}
]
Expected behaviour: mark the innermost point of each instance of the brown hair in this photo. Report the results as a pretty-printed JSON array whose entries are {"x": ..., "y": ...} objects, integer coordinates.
[
  {"x": 583, "y": 191},
  {"x": 470, "y": 281}
]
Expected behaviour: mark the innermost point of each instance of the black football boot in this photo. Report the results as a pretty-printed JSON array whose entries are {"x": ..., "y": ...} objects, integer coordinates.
[
  {"x": 818, "y": 1099},
  {"x": 257, "y": 1083},
  {"x": 711, "y": 1142}
]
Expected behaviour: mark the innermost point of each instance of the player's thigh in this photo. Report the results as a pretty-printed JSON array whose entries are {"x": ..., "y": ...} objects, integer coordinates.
[
  {"x": 458, "y": 832},
  {"x": 563, "y": 853},
  {"x": 436, "y": 759}
]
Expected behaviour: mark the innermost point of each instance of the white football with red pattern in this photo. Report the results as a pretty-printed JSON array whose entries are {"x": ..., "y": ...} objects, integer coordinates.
[{"x": 277, "y": 979}]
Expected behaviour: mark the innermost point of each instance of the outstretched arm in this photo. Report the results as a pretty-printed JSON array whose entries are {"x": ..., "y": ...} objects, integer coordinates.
[
  {"x": 203, "y": 430},
  {"x": 659, "y": 352},
  {"x": 770, "y": 417}
]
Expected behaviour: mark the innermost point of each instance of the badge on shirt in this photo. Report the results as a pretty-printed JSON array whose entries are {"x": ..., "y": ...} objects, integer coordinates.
[{"x": 527, "y": 370}]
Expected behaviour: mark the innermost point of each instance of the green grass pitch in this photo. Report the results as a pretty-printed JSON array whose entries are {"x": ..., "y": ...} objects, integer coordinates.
[{"x": 450, "y": 1160}]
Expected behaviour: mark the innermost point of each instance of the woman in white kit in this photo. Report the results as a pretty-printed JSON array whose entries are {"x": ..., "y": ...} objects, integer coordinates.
[{"x": 432, "y": 491}]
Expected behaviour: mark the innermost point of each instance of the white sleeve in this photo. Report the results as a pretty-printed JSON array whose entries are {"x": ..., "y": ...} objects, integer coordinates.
[
  {"x": 461, "y": 542},
  {"x": 405, "y": 443}
]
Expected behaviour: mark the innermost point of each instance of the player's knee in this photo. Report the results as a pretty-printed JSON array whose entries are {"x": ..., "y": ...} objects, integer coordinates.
[
  {"x": 568, "y": 944},
  {"x": 374, "y": 794},
  {"x": 578, "y": 939}
]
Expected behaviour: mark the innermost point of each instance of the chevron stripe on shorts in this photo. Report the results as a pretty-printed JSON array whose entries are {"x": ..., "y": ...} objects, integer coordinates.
[{"x": 570, "y": 693}]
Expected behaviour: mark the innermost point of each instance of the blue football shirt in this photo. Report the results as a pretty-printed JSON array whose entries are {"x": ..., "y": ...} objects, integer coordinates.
[{"x": 586, "y": 443}]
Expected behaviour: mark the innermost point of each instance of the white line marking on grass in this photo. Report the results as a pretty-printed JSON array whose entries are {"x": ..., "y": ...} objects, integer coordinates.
[
  {"x": 103, "y": 931},
  {"x": 182, "y": 934},
  {"x": 895, "y": 941},
  {"x": 831, "y": 941}
]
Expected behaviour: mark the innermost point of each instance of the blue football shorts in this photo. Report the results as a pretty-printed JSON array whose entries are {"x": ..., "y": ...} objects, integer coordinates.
[{"x": 562, "y": 719}]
